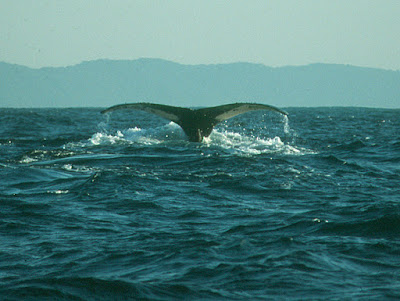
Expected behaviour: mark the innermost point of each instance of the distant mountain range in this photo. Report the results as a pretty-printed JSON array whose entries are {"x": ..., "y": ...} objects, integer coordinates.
[{"x": 104, "y": 83}]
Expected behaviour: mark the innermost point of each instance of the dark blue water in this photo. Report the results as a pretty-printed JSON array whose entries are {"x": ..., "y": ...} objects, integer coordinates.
[{"x": 123, "y": 207}]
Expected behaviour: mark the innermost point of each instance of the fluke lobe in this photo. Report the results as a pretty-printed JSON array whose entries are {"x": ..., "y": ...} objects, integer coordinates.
[{"x": 196, "y": 123}]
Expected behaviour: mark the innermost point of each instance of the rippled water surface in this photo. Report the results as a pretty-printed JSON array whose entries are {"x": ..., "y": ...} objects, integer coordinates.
[{"x": 123, "y": 207}]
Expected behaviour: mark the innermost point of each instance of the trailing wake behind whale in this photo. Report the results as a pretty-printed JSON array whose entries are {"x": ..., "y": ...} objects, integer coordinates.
[{"x": 196, "y": 123}]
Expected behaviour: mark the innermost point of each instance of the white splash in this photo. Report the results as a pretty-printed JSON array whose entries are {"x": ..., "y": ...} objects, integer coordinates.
[
  {"x": 246, "y": 145},
  {"x": 170, "y": 131},
  {"x": 102, "y": 138},
  {"x": 231, "y": 142}
]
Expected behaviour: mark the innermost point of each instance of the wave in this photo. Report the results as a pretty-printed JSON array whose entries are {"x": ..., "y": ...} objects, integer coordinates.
[
  {"x": 90, "y": 288},
  {"x": 351, "y": 146},
  {"x": 386, "y": 225}
]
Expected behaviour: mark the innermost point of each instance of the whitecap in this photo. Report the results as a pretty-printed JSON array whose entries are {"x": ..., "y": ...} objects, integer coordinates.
[
  {"x": 67, "y": 167},
  {"x": 27, "y": 160},
  {"x": 58, "y": 191}
]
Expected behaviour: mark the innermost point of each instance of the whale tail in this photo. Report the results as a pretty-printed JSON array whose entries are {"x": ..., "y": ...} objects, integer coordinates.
[{"x": 196, "y": 123}]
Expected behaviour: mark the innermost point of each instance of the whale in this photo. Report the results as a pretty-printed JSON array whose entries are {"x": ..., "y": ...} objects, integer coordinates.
[{"x": 196, "y": 123}]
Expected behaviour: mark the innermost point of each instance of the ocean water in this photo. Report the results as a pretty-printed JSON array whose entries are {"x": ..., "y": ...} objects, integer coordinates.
[{"x": 123, "y": 207}]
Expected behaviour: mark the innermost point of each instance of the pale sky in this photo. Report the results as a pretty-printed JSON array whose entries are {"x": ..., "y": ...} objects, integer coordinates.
[{"x": 39, "y": 33}]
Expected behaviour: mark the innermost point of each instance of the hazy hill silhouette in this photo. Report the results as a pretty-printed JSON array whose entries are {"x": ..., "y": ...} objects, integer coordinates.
[{"x": 103, "y": 83}]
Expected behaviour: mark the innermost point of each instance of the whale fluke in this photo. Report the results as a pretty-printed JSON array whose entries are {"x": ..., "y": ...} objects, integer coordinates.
[{"x": 196, "y": 123}]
